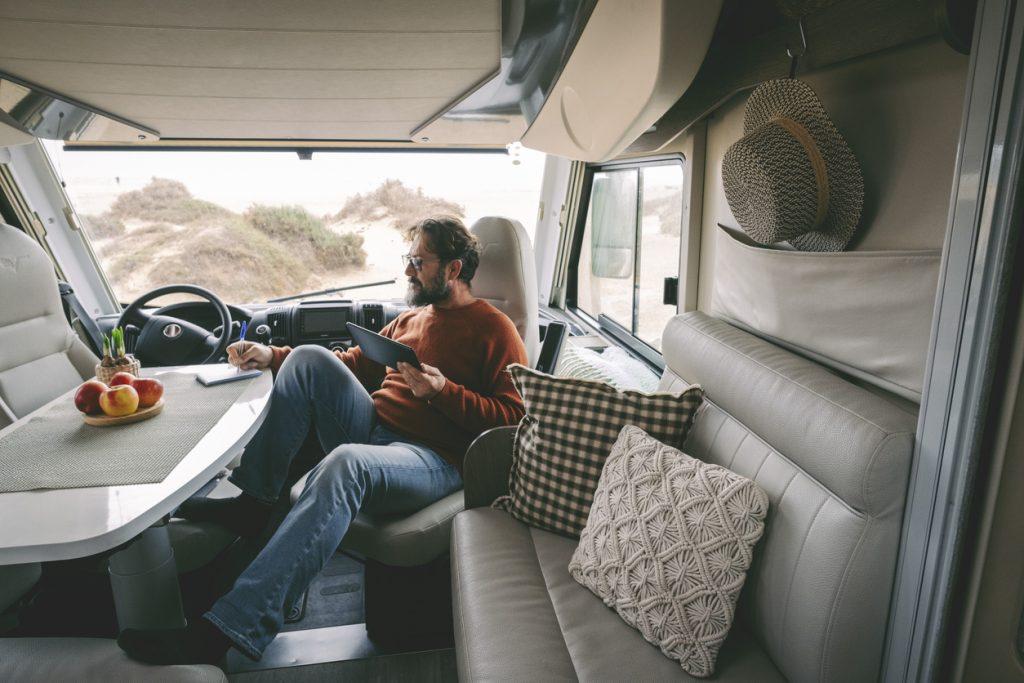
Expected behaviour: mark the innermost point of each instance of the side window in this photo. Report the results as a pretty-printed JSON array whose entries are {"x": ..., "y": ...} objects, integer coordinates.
[{"x": 630, "y": 246}]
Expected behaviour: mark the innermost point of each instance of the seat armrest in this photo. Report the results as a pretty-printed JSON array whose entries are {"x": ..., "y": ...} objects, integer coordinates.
[{"x": 486, "y": 467}]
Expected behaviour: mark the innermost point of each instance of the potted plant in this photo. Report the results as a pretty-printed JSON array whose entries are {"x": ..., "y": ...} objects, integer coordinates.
[{"x": 115, "y": 359}]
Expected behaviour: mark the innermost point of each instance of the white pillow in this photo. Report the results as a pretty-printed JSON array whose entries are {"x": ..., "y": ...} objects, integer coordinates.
[
  {"x": 667, "y": 545},
  {"x": 614, "y": 367}
]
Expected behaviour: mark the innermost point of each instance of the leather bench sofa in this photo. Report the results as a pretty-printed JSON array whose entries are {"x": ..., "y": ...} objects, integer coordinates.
[{"x": 834, "y": 460}]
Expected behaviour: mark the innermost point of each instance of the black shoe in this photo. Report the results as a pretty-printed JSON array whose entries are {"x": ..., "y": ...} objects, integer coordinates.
[
  {"x": 198, "y": 643},
  {"x": 243, "y": 514}
]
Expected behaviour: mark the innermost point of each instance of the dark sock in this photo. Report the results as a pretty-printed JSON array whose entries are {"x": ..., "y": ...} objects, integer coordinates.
[
  {"x": 243, "y": 514},
  {"x": 198, "y": 643}
]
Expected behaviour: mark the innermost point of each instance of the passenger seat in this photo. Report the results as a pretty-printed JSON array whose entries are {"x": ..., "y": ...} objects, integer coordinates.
[
  {"x": 41, "y": 357},
  {"x": 407, "y": 566}
]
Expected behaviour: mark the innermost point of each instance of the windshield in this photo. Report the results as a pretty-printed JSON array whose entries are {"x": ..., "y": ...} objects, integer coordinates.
[{"x": 252, "y": 226}]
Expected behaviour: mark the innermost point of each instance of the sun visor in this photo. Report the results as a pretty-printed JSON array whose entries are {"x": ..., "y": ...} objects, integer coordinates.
[{"x": 632, "y": 62}]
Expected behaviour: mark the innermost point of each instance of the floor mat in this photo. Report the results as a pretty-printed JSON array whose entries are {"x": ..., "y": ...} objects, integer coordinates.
[
  {"x": 335, "y": 598},
  {"x": 436, "y": 666}
]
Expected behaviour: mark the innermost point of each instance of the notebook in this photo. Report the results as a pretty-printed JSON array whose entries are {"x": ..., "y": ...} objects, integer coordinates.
[{"x": 222, "y": 373}]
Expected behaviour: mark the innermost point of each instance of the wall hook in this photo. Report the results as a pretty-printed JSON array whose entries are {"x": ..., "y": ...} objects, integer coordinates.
[{"x": 794, "y": 57}]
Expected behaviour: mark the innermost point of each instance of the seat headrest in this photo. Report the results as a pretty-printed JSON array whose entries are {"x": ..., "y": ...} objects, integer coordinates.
[
  {"x": 40, "y": 355},
  {"x": 507, "y": 276},
  {"x": 26, "y": 278},
  {"x": 853, "y": 442}
]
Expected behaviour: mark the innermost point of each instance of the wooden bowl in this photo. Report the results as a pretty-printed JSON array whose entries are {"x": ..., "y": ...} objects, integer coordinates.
[{"x": 137, "y": 416}]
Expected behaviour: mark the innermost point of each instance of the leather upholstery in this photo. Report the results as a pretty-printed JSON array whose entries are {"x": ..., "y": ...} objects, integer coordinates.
[
  {"x": 16, "y": 580},
  {"x": 505, "y": 627},
  {"x": 834, "y": 460},
  {"x": 520, "y": 616},
  {"x": 401, "y": 541},
  {"x": 89, "y": 660},
  {"x": 486, "y": 466},
  {"x": 507, "y": 276},
  {"x": 406, "y": 541},
  {"x": 40, "y": 356},
  {"x": 196, "y": 544}
]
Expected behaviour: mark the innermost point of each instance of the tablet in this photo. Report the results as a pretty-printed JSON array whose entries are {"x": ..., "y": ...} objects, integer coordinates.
[{"x": 382, "y": 350}]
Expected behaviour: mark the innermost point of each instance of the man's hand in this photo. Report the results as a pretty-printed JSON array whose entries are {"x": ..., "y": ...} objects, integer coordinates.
[
  {"x": 250, "y": 355},
  {"x": 426, "y": 384}
]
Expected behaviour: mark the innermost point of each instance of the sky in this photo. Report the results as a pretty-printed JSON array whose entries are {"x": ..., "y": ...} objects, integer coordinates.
[{"x": 486, "y": 184}]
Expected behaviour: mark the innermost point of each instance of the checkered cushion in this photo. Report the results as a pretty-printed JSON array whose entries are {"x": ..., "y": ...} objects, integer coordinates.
[{"x": 564, "y": 439}]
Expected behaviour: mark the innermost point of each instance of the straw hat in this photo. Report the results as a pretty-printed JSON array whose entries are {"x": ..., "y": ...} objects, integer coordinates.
[{"x": 792, "y": 177}]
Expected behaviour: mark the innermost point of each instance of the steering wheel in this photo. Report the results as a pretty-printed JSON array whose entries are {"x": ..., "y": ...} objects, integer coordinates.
[{"x": 166, "y": 340}]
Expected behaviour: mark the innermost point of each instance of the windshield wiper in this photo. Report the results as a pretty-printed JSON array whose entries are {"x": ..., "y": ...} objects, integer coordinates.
[{"x": 333, "y": 290}]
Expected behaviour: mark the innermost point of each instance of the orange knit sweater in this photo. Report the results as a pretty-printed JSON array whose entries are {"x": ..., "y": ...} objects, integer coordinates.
[{"x": 471, "y": 345}]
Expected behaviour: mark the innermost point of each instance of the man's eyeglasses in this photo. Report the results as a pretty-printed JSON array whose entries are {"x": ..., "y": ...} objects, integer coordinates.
[{"x": 416, "y": 261}]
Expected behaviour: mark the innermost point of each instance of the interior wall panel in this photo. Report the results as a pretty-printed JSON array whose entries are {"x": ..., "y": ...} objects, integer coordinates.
[{"x": 900, "y": 113}]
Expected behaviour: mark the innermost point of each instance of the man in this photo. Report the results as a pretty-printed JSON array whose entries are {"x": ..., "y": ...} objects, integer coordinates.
[{"x": 391, "y": 452}]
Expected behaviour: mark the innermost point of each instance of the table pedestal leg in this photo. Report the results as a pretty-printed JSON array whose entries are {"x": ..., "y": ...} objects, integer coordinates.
[{"x": 144, "y": 578}]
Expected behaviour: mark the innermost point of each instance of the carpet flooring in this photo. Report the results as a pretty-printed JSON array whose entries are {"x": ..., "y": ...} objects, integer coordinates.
[{"x": 335, "y": 598}]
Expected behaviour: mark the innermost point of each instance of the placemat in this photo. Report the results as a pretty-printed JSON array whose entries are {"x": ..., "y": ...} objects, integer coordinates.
[{"x": 57, "y": 450}]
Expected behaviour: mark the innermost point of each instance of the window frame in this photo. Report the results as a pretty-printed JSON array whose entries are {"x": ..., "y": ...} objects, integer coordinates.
[
  {"x": 607, "y": 326},
  {"x": 528, "y": 219}
]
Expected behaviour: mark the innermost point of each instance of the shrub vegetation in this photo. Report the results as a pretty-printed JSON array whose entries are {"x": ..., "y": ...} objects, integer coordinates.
[
  {"x": 306, "y": 235},
  {"x": 403, "y": 205},
  {"x": 162, "y": 234},
  {"x": 165, "y": 200},
  {"x": 670, "y": 213},
  {"x": 103, "y": 226}
]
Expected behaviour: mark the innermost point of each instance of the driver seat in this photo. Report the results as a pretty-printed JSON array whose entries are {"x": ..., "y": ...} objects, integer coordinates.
[{"x": 41, "y": 358}]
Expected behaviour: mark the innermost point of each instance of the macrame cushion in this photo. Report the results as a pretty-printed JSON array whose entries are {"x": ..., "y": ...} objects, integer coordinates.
[
  {"x": 667, "y": 545},
  {"x": 566, "y": 435}
]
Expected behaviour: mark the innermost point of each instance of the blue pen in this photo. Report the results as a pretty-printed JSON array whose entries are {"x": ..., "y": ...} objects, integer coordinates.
[
  {"x": 245, "y": 327},
  {"x": 241, "y": 338}
]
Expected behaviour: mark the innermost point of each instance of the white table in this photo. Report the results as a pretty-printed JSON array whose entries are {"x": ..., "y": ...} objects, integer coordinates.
[{"x": 61, "y": 524}]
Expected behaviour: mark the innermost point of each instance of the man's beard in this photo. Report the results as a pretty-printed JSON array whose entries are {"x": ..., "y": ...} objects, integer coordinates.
[{"x": 433, "y": 292}]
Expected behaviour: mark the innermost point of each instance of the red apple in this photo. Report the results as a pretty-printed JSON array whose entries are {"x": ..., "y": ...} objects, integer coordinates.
[
  {"x": 122, "y": 378},
  {"x": 150, "y": 390},
  {"x": 87, "y": 398},
  {"x": 119, "y": 400}
]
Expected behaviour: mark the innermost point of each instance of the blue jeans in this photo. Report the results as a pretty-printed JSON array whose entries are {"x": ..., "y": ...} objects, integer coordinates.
[{"x": 367, "y": 467}]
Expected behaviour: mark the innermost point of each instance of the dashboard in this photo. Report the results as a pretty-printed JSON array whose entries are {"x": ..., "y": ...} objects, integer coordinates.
[{"x": 320, "y": 322}]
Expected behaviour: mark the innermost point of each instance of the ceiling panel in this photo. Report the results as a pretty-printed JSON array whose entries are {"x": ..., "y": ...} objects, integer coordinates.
[
  {"x": 319, "y": 69},
  {"x": 328, "y": 15},
  {"x": 287, "y": 130},
  {"x": 73, "y": 78},
  {"x": 245, "y": 48},
  {"x": 142, "y": 109}
]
